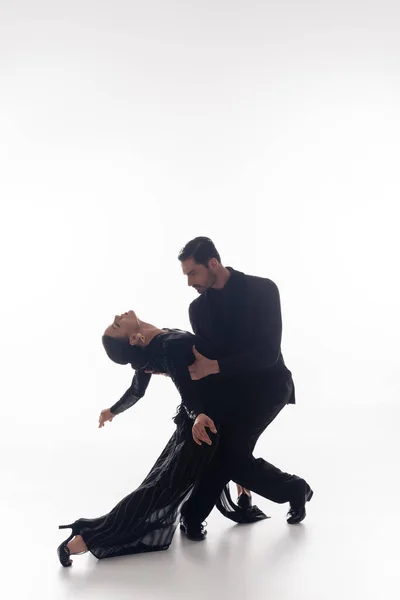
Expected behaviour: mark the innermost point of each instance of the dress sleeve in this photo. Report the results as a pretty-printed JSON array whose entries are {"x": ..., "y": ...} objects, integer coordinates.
[{"x": 133, "y": 394}]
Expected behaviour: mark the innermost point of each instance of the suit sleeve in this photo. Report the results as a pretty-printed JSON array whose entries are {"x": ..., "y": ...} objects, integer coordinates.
[
  {"x": 193, "y": 321},
  {"x": 136, "y": 391},
  {"x": 264, "y": 347}
]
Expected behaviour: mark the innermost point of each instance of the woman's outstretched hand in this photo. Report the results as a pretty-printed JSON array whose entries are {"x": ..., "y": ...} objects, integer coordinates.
[{"x": 105, "y": 415}]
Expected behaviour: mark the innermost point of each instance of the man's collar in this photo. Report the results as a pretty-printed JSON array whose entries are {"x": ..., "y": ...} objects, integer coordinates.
[
  {"x": 235, "y": 275},
  {"x": 234, "y": 278}
]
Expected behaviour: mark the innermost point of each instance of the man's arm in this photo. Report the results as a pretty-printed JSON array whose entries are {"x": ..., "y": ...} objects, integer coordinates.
[
  {"x": 264, "y": 348},
  {"x": 133, "y": 394},
  {"x": 192, "y": 318}
]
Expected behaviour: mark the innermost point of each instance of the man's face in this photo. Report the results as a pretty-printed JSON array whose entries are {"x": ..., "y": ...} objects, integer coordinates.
[
  {"x": 198, "y": 276},
  {"x": 123, "y": 325}
]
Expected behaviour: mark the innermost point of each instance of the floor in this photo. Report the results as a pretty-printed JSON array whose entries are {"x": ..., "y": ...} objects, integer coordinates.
[{"x": 346, "y": 548}]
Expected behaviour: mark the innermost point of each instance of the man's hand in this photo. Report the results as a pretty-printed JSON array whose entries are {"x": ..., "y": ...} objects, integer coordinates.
[
  {"x": 199, "y": 429},
  {"x": 202, "y": 366},
  {"x": 105, "y": 415}
]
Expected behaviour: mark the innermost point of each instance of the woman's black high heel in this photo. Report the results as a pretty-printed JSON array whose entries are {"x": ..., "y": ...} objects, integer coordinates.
[
  {"x": 62, "y": 550},
  {"x": 244, "y": 501}
]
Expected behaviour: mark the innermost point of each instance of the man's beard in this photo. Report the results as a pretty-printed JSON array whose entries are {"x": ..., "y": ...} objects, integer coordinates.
[
  {"x": 203, "y": 288},
  {"x": 200, "y": 289}
]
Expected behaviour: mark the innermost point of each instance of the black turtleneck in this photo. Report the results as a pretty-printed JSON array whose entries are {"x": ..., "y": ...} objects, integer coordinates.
[{"x": 242, "y": 322}]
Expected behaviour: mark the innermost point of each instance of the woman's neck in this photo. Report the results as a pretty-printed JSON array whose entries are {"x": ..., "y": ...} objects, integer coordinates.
[{"x": 150, "y": 332}]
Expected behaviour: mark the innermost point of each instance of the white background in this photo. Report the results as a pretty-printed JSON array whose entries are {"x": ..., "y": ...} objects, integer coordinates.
[{"x": 128, "y": 128}]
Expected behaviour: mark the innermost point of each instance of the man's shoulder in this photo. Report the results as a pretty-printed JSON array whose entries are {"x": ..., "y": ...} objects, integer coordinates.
[
  {"x": 196, "y": 303},
  {"x": 258, "y": 282}
]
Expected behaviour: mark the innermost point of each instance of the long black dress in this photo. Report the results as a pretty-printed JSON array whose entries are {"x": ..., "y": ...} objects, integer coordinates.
[{"x": 146, "y": 519}]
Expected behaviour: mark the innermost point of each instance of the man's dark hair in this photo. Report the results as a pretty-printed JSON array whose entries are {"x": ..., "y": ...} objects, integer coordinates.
[
  {"x": 120, "y": 351},
  {"x": 201, "y": 249}
]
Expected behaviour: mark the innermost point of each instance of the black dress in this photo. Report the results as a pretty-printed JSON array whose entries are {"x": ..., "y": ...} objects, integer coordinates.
[{"x": 146, "y": 519}]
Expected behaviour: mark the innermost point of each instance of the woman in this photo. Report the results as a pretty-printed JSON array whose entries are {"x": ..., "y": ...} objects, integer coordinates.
[{"x": 146, "y": 519}]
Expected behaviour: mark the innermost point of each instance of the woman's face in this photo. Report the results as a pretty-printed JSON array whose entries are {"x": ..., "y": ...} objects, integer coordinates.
[{"x": 124, "y": 325}]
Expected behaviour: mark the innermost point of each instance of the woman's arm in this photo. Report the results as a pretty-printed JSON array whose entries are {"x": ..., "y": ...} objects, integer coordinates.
[{"x": 136, "y": 391}]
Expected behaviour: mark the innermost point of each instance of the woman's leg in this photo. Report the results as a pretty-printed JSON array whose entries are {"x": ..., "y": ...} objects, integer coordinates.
[
  {"x": 146, "y": 519},
  {"x": 77, "y": 545},
  {"x": 241, "y": 490}
]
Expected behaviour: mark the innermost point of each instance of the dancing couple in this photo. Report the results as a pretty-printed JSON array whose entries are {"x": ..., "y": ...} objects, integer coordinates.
[{"x": 232, "y": 382}]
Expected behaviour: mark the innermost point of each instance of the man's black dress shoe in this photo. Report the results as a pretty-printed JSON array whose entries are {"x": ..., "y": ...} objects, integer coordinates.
[
  {"x": 194, "y": 531},
  {"x": 296, "y": 514},
  {"x": 244, "y": 501}
]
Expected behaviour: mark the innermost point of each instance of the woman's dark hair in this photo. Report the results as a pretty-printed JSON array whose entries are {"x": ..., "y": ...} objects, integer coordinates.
[
  {"x": 201, "y": 249},
  {"x": 120, "y": 351}
]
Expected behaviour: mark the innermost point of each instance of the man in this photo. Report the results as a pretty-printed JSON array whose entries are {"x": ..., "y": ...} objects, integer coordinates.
[{"x": 240, "y": 316}]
